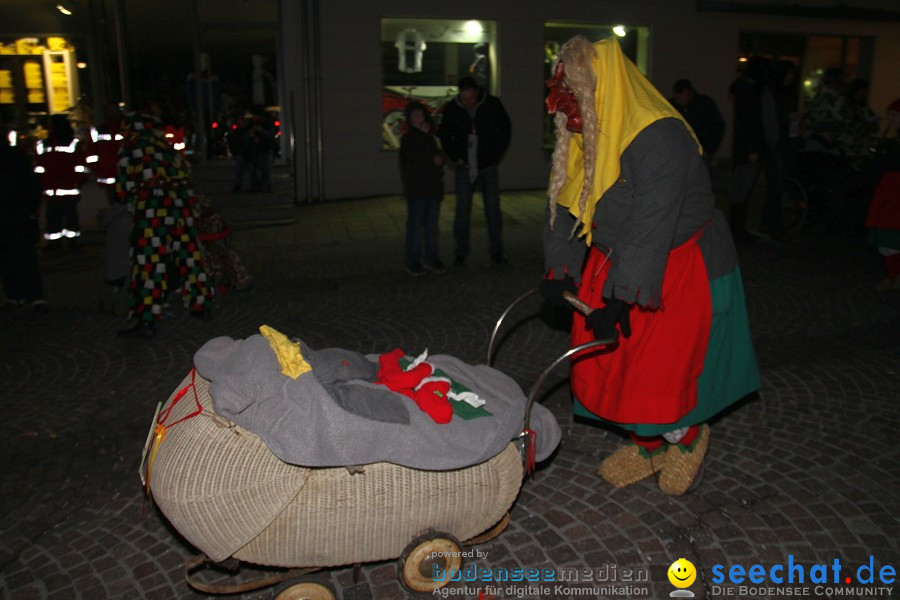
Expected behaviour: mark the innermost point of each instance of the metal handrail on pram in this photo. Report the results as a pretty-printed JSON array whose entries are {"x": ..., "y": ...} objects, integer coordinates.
[{"x": 584, "y": 309}]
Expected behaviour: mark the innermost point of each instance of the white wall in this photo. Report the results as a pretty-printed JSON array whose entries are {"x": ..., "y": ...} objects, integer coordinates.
[{"x": 684, "y": 44}]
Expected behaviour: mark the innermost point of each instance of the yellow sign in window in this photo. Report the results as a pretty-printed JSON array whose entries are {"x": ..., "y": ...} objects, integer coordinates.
[
  {"x": 34, "y": 83},
  {"x": 7, "y": 93}
]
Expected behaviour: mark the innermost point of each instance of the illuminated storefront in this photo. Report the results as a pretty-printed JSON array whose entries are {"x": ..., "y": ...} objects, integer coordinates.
[
  {"x": 335, "y": 75},
  {"x": 422, "y": 60},
  {"x": 350, "y": 67},
  {"x": 38, "y": 76}
]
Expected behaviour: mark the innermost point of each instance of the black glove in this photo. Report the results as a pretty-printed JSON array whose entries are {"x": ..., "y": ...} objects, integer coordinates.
[
  {"x": 552, "y": 290},
  {"x": 603, "y": 320}
]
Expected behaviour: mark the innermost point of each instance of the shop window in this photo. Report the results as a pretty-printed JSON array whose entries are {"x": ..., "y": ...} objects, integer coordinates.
[
  {"x": 238, "y": 84},
  {"x": 633, "y": 40},
  {"x": 423, "y": 59},
  {"x": 38, "y": 76},
  {"x": 813, "y": 54},
  {"x": 233, "y": 79}
]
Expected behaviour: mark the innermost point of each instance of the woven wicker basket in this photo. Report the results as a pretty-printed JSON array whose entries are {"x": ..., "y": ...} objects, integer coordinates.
[{"x": 223, "y": 490}]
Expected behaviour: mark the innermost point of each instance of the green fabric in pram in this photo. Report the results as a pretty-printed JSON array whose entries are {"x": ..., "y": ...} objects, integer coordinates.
[{"x": 461, "y": 408}]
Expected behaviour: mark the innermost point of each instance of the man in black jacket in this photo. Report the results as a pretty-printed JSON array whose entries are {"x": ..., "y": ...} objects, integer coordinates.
[
  {"x": 749, "y": 150},
  {"x": 475, "y": 132},
  {"x": 19, "y": 201},
  {"x": 702, "y": 114}
]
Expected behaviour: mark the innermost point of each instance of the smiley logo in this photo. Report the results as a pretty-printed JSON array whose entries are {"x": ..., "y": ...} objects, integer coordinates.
[{"x": 682, "y": 573}]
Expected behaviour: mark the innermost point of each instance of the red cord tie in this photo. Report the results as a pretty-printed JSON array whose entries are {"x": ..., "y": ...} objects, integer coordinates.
[{"x": 162, "y": 428}]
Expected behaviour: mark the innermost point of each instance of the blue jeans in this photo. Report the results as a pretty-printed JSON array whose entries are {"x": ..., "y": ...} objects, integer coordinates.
[
  {"x": 421, "y": 214},
  {"x": 489, "y": 181}
]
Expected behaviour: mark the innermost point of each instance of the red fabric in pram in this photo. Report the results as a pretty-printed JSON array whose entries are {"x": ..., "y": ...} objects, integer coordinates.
[{"x": 431, "y": 397}]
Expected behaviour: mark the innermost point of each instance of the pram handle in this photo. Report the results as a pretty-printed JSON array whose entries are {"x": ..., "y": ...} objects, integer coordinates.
[
  {"x": 532, "y": 395},
  {"x": 582, "y": 308},
  {"x": 515, "y": 303},
  {"x": 571, "y": 298},
  {"x": 579, "y": 304}
]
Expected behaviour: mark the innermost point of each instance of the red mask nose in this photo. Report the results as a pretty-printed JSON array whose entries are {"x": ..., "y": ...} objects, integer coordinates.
[
  {"x": 561, "y": 99},
  {"x": 573, "y": 122}
]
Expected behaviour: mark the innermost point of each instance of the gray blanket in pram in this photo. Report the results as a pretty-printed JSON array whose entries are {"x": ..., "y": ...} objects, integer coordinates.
[{"x": 335, "y": 415}]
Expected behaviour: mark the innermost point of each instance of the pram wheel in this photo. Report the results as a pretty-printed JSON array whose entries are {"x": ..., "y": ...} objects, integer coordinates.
[
  {"x": 429, "y": 562},
  {"x": 308, "y": 589}
]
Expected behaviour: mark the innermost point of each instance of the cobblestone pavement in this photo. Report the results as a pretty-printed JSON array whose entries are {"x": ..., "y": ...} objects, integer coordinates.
[{"x": 804, "y": 470}]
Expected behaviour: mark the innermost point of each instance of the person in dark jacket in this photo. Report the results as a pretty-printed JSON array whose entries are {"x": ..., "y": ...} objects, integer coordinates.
[
  {"x": 236, "y": 145},
  {"x": 20, "y": 196},
  {"x": 778, "y": 102},
  {"x": 748, "y": 141},
  {"x": 258, "y": 148},
  {"x": 702, "y": 114},
  {"x": 422, "y": 172},
  {"x": 475, "y": 132}
]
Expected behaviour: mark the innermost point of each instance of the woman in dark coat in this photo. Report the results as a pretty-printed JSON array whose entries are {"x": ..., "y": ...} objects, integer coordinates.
[{"x": 422, "y": 171}]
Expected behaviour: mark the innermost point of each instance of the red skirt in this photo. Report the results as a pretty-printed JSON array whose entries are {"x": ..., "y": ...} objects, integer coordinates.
[{"x": 651, "y": 377}]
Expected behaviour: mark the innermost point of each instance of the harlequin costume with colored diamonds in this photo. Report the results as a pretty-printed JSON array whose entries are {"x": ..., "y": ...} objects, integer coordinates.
[
  {"x": 634, "y": 231},
  {"x": 155, "y": 179}
]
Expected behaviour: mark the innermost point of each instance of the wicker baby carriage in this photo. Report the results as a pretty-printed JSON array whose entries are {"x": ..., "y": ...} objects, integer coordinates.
[
  {"x": 228, "y": 495},
  {"x": 261, "y": 510}
]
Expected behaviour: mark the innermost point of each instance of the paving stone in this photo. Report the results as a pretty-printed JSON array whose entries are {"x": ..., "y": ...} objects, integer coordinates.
[{"x": 64, "y": 594}]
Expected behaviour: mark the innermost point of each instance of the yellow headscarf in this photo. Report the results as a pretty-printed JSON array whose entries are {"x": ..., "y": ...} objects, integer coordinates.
[{"x": 626, "y": 103}]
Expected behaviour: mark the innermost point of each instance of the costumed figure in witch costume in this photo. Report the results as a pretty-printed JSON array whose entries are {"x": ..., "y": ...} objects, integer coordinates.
[
  {"x": 155, "y": 180},
  {"x": 883, "y": 219},
  {"x": 633, "y": 231}
]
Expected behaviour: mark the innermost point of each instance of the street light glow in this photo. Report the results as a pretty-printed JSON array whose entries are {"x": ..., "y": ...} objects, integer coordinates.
[
  {"x": 473, "y": 27},
  {"x": 619, "y": 30},
  {"x": 63, "y": 10}
]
